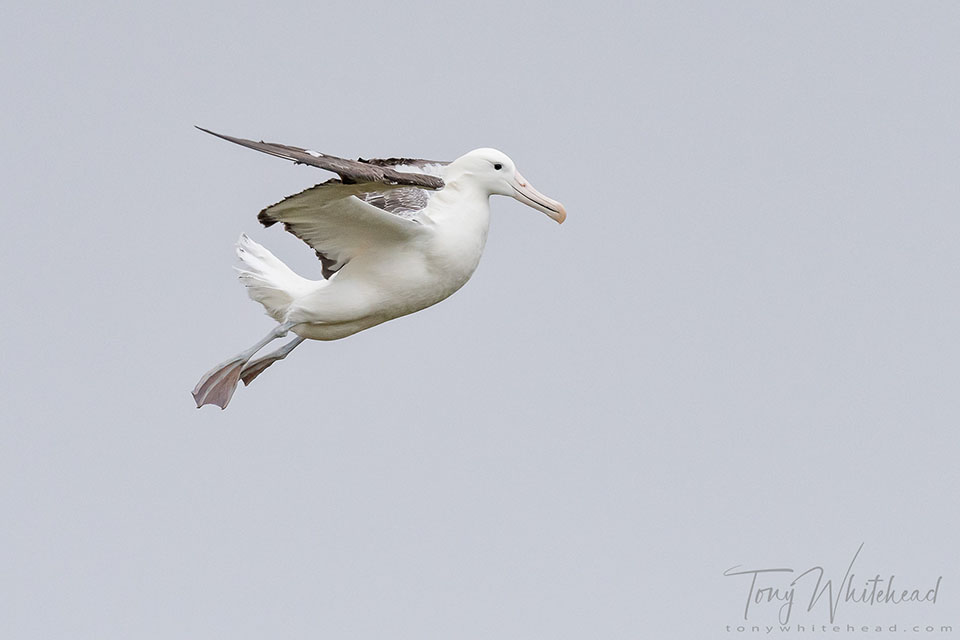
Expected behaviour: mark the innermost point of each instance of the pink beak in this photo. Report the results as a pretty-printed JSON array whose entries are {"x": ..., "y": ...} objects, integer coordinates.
[{"x": 525, "y": 193}]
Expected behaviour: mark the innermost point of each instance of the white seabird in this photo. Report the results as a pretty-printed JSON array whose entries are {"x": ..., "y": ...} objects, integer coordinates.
[{"x": 394, "y": 236}]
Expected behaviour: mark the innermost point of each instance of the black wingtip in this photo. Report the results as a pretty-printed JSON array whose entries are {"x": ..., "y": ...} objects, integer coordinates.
[{"x": 213, "y": 133}]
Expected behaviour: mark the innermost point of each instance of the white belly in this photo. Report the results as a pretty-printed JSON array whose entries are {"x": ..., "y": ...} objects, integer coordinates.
[{"x": 398, "y": 280}]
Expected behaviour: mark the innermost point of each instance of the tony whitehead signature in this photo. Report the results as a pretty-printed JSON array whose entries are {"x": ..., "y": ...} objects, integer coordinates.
[{"x": 767, "y": 586}]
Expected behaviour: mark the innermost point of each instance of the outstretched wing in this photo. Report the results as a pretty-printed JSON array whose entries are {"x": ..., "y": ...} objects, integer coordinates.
[
  {"x": 372, "y": 204},
  {"x": 390, "y": 171}
]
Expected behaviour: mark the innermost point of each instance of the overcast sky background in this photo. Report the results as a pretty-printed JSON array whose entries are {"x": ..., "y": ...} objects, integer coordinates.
[{"x": 740, "y": 349}]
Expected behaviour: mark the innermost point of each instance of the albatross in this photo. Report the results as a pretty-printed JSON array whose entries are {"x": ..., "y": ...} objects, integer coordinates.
[{"x": 393, "y": 235}]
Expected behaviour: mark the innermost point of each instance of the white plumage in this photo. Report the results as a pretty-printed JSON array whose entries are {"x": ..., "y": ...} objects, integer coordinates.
[
  {"x": 268, "y": 280},
  {"x": 392, "y": 241}
]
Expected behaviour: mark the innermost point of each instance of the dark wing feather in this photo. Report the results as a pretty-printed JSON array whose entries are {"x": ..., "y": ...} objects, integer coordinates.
[
  {"x": 429, "y": 167},
  {"x": 404, "y": 202},
  {"x": 350, "y": 171}
]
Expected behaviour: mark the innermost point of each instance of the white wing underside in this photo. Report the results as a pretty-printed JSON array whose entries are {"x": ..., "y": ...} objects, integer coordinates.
[{"x": 340, "y": 221}]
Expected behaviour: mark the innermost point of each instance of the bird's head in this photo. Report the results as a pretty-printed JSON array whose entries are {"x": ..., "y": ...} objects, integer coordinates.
[{"x": 495, "y": 172}]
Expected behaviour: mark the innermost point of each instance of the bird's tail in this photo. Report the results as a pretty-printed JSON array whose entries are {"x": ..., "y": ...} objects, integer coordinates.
[{"x": 269, "y": 281}]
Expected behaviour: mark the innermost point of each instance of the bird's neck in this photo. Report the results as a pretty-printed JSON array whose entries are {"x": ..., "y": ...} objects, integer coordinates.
[
  {"x": 462, "y": 203},
  {"x": 460, "y": 216}
]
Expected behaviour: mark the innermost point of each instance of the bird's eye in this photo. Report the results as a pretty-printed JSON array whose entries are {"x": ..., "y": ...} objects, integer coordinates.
[{"x": 498, "y": 166}]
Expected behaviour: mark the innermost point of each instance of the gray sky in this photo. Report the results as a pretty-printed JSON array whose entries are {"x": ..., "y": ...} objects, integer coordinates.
[{"x": 740, "y": 349}]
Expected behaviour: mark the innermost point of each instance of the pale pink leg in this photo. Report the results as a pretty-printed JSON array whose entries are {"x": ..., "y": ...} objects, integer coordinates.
[
  {"x": 258, "y": 366},
  {"x": 218, "y": 384}
]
